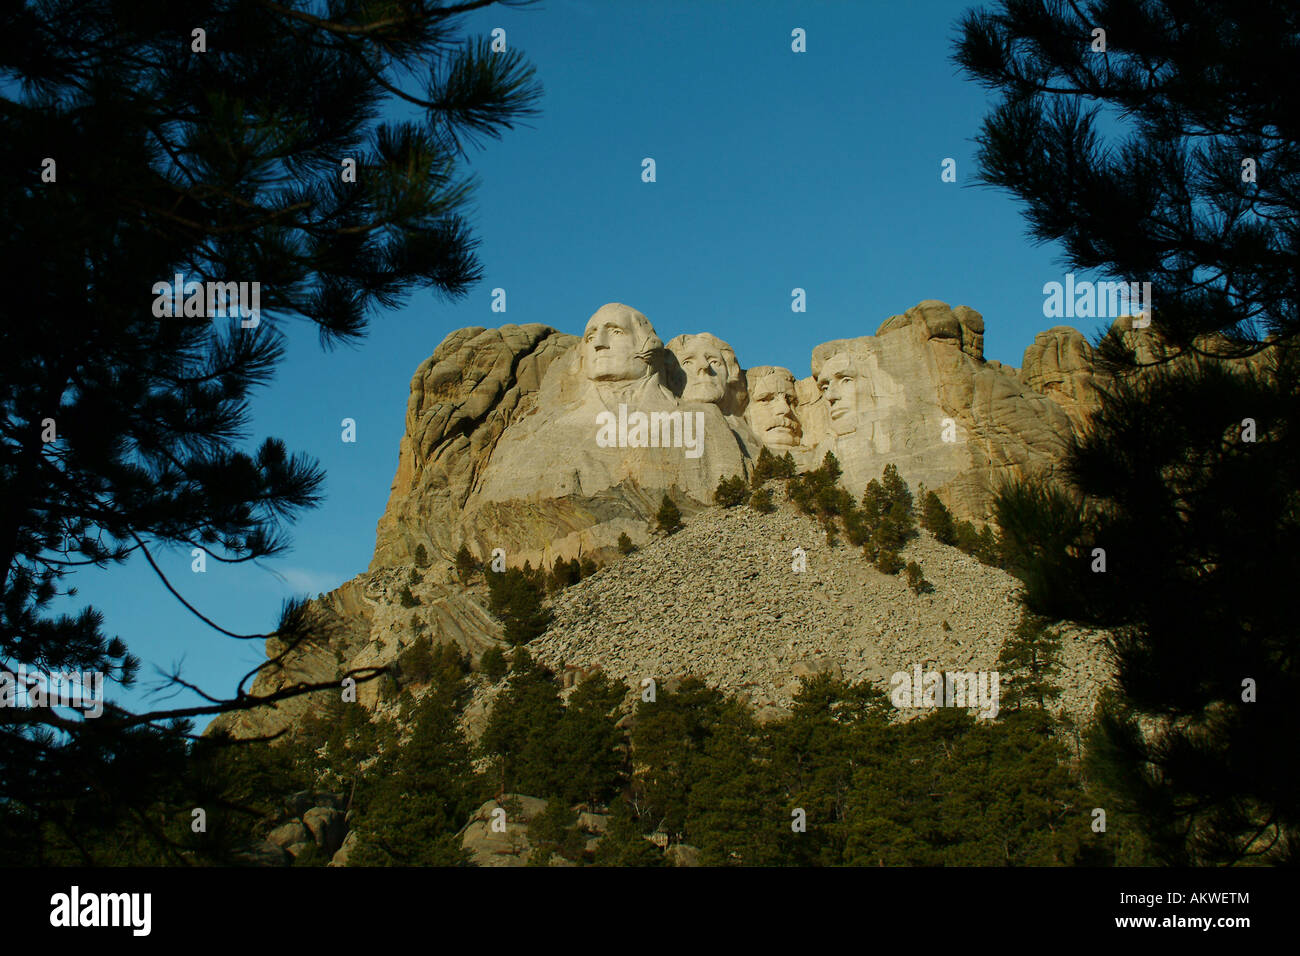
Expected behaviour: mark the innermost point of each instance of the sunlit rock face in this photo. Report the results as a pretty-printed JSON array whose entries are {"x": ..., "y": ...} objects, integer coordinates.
[
  {"x": 919, "y": 395},
  {"x": 546, "y": 444}
]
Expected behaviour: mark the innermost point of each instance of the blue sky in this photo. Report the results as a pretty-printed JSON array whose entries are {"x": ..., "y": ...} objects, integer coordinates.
[{"x": 775, "y": 170}]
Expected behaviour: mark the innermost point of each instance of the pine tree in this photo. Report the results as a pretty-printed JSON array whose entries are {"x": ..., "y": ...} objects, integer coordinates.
[
  {"x": 124, "y": 426},
  {"x": 937, "y": 519},
  {"x": 668, "y": 739},
  {"x": 588, "y": 761},
  {"x": 493, "y": 663},
  {"x": 421, "y": 793},
  {"x": 1171, "y": 486},
  {"x": 1029, "y": 660},
  {"x": 624, "y": 842},
  {"x": 466, "y": 565},
  {"x": 669, "y": 517},
  {"x": 730, "y": 492},
  {"x": 521, "y": 729}
]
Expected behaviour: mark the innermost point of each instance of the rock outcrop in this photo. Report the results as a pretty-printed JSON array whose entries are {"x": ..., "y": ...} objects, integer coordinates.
[{"x": 548, "y": 445}]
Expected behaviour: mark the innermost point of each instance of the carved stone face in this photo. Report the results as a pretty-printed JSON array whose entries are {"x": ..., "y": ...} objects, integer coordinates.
[
  {"x": 772, "y": 400},
  {"x": 615, "y": 343},
  {"x": 706, "y": 370},
  {"x": 842, "y": 386}
]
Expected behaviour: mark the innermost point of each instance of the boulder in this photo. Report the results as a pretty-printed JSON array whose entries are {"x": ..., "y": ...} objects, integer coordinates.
[
  {"x": 327, "y": 828},
  {"x": 288, "y": 834}
]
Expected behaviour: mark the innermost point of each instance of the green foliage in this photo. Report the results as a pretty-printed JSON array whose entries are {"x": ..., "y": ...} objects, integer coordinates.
[
  {"x": 415, "y": 663},
  {"x": 888, "y": 518},
  {"x": 769, "y": 466},
  {"x": 546, "y": 748},
  {"x": 669, "y": 518},
  {"x": 422, "y": 556},
  {"x": 624, "y": 842},
  {"x": 731, "y": 492},
  {"x": 517, "y": 597},
  {"x": 946, "y": 789},
  {"x": 421, "y": 663},
  {"x": 493, "y": 663},
  {"x": 407, "y": 598},
  {"x": 563, "y": 574},
  {"x": 335, "y": 739},
  {"x": 419, "y": 794},
  {"x": 989, "y": 549},
  {"x": 668, "y": 740},
  {"x": 1029, "y": 659},
  {"x": 761, "y": 501},
  {"x": 888, "y": 562},
  {"x": 224, "y": 167},
  {"x": 916, "y": 579},
  {"x": 937, "y": 519},
  {"x": 625, "y": 545},
  {"x": 588, "y": 757},
  {"x": 1200, "y": 524},
  {"x": 554, "y": 832},
  {"x": 520, "y": 730},
  {"x": 818, "y": 493},
  {"x": 466, "y": 565},
  {"x": 738, "y": 814},
  {"x": 1043, "y": 536}
]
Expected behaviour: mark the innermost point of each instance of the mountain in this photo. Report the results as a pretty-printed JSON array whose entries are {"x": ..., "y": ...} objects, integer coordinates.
[{"x": 533, "y": 445}]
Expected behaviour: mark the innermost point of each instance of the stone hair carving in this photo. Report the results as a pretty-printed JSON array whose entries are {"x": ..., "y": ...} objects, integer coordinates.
[
  {"x": 705, "y": 369},
  {"x": 619, "y": 344},
  {"x": 773, "y": 398}
]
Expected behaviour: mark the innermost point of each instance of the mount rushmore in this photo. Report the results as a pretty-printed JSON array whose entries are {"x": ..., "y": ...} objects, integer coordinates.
[{"x": 549, "y": 445}]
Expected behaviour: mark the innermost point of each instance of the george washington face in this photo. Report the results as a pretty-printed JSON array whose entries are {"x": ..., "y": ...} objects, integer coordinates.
[{"x": 617, "y": 343}]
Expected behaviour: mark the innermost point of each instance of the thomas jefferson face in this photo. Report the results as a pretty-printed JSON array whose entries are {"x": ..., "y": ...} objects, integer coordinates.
[
  {"x": 772, "y": 401},
  {"x": 839, "y": 381},
  {"x": 613, "y": 343},
  {"x": 707, "y": 371}
]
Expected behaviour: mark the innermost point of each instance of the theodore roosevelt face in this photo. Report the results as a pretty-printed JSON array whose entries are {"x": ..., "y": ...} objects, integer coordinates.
[{"x": 772, "y": 401}]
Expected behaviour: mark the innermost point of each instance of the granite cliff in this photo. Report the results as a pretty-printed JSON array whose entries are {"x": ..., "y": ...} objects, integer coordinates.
[{"x": 548, "y": 445}]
